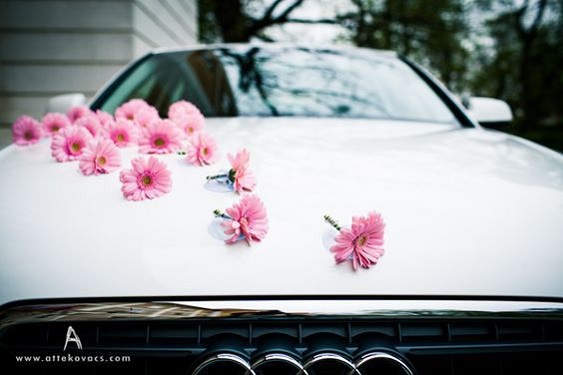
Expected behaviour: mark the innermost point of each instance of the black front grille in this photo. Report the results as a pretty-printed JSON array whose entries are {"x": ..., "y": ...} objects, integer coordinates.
[{"x": 433, "y": 346}]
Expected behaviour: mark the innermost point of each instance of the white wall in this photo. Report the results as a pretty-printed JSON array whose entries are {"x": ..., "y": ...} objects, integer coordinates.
[{"x": 50, "y": 47}]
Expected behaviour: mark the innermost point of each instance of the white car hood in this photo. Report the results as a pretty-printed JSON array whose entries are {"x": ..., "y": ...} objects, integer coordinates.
[{"x": 468, "y": 212}]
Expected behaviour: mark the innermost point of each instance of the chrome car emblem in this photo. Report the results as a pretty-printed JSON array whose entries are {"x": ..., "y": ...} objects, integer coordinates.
[
  {"x": 278, "y": 357},
  {"x": 324, "y": 357},
  {"x": 224, "y": 357},
  {"x": 380, "y": 357}
]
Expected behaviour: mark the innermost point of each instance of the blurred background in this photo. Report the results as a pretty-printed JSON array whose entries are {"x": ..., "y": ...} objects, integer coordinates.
[{"x": 507, "y": 49}]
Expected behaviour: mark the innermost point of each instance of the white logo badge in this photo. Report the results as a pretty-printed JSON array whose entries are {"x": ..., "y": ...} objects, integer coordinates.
[{"x": 71, "y": 336}]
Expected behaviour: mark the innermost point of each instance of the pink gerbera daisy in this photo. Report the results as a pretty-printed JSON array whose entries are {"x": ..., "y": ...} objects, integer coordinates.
[
  {"x": 187, "y": 116},
  {"x": 99, "y": 156},
  {"x": 26, "y": 131},
  {"x": 128, "y": 109},
  {"x": 91, "y": 123},
  {"x": 147, "y": 179},
  {"x": 77, "y": 112},
  {"x": 160, "y": 137},
  {"x": 191, "y": 124},
  {"x": 247, "y": 218},
  {"x": 67, "y": 144},
  {"x": 240, "y": 174},
  {"x": 122, "y": 132},
  {"x": 104, "y": 118},
  {"x": 181, "y": 109},
  {"x": 202, "y": 149},
  {"x": 146, "y": 116},
  {"x": 363, "y": 243},
  {"x": 53, "y": 122}
]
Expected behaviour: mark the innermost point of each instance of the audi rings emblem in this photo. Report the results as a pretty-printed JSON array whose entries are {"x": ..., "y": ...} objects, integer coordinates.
[
  {"x": 329, "y": 359},
  {"x": 215, "y": 363},
  {"x": 260, "y": 366},
  {"x": 379, "y": 361},
  {"x": 368, "y": 364}
]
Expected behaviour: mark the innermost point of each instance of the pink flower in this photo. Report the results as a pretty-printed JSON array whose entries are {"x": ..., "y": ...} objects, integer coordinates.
[
  {"x": 202, "y": 149},
  {"x": 363, "y": 242},
  {"x": 99, "y": 156},
  {"x": 248, "y": 218},
  {"x": 181, "y": 109},
  {"x": 122, "y": 132},
  {"x": 26, "y": 131},
  {"x": 160, "y": 137},
  {"x": 68, "y": 143},
  {"x": 104, "y": 118},
  {"x": 91, "y": 123},
  {"x": 146, "y": 116},
  {"x": 148, "y": 179},
  {"x": 52, "y": 122},
  {"x": 240, "y": 174},
  {"x": 128, "y": 109},
  {"x": 187, "y": 116},
  {"x": 77, "y": 112}
]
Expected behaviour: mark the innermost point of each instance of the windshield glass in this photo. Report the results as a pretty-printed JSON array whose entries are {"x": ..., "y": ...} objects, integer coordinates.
[{"x": 260, "y": 81}]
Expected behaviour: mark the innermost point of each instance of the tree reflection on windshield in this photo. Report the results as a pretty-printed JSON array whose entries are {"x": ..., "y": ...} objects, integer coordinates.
[{"x": 284, "y": 81}]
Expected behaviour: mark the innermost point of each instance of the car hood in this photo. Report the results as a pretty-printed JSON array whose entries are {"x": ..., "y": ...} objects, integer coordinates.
[{"x": 468, "y": 212}]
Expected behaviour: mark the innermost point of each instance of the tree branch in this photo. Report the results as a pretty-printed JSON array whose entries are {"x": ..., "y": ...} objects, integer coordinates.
[
  {"x": 283, "y": 17},
  {"x": 268, "y": 13},
  {"x": 520, "y": 13},
  {"x": 305, "y": 21},
  {"x": 267, "y": 20}
]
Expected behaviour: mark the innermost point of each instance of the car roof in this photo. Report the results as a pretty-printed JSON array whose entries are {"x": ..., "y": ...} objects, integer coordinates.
[{"x": 271, "y": 46}]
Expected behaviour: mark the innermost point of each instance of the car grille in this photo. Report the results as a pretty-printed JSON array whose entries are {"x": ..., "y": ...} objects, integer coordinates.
[{"x": 273, "y": 344}]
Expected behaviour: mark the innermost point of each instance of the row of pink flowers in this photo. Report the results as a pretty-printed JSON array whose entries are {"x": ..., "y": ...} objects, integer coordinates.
[
  {"x": 84, "y": 135},
  {"x": 135, "y": 123}
]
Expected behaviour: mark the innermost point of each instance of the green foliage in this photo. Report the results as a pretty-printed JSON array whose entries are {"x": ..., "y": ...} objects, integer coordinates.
[{"x": 524, "y": 66}]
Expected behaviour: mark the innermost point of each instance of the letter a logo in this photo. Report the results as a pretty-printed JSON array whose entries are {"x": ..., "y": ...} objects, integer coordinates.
[{"x": 72, "y": 336}]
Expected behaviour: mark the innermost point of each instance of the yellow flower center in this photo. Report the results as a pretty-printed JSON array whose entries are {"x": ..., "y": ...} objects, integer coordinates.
[
  {"x": 102, "y": 160},
  {"x": 361, "y": 241},
  {"x": 159, "y": 142},
  {"x": 146, "y": 180},
  {"x": 120, "y": 138},
  {"x": 75, "y": 147}
]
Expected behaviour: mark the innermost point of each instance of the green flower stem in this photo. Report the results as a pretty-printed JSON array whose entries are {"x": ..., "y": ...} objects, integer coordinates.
[
  {"x": 214, "y": 177},
  {"x": 231, "y": 175},
  {"x": 332, "y": 222},
  {"x": 218, "y": 213}
]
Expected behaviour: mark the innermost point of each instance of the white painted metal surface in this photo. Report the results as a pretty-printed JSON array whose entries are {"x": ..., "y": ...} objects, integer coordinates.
[
  {"x": 468, "y": 212},
  {"x": 486, "y": 110}
]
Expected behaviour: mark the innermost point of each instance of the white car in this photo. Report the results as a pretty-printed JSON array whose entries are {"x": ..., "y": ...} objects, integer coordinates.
[{"x": 472, "y": 276}]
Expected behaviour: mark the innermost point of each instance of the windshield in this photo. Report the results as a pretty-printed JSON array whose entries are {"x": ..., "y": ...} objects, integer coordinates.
[{"x": 260, "y": 81}]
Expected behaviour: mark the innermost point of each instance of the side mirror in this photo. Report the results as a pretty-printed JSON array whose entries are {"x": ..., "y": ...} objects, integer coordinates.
[
  {"x": 489, "y": 112},
  {"x": 62, "y": 103}
]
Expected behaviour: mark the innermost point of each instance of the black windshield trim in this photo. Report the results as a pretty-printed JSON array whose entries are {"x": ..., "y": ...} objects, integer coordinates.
[{"x": 439, "y": 90}]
